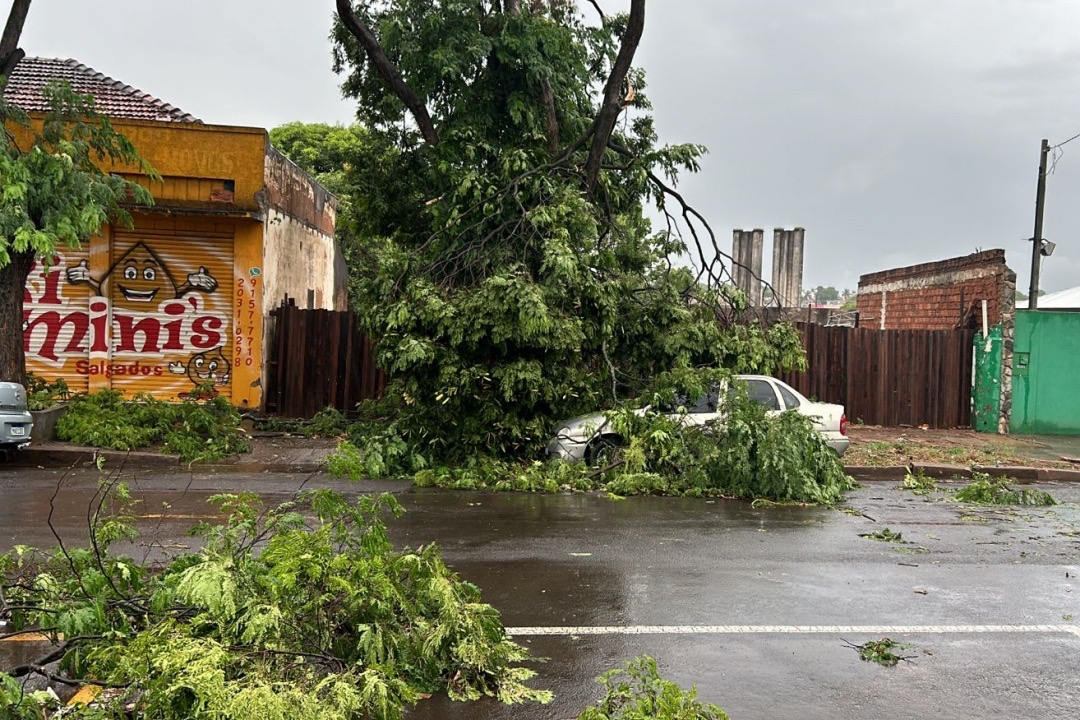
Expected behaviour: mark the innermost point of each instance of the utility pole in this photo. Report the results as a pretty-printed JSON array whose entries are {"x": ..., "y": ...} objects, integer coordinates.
[{"x": 1036, "y": 241}]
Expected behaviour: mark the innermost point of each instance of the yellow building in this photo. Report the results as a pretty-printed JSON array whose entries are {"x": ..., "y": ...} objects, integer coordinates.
[{"x": 181, "y": 299}]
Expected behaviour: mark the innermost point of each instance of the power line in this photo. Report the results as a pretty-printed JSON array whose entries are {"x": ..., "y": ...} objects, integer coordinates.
[
  {"x": 1066, "y": 142},
  {"x": 1059, "y": 153}
]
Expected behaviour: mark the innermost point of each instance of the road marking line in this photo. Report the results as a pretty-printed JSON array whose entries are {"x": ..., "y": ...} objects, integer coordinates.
[{"x": 793, "y": 629}]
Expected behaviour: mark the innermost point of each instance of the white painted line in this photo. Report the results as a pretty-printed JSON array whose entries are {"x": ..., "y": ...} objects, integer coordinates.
[{"x": 793, "y": 630}]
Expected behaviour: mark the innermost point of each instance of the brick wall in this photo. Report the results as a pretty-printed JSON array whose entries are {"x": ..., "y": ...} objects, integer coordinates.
[{"x": 939, "y": 295}]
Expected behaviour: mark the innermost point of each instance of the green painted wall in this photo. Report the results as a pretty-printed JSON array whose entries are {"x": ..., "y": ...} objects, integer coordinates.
[
  {"x": 986, "y": 386},
  {"x": 1046, "y": 373}
]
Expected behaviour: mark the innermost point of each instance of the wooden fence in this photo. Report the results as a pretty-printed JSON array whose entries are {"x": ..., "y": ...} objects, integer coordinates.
[
  {"x": 318, "y": 358},
  {"x": 889, "y": 377}
]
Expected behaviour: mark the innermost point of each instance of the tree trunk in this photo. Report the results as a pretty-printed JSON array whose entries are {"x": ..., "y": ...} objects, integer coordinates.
[
  {"x": 12, "y": 281},
  {"x": 387, "y": 70},
  {"x": 10, "y": 54},
  {"x": 611, "y": 107}
]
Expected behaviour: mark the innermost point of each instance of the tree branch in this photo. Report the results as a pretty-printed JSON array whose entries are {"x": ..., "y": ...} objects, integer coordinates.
[
  {"x": 387, "y": 70},
  {"x": 612, "y": 105},
  {"x": 10, "y": 54},
  {"x": 551, "y": 120}
]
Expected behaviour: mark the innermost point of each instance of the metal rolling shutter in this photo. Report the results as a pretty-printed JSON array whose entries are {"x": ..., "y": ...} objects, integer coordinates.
[{"x": 172, "y": 313}]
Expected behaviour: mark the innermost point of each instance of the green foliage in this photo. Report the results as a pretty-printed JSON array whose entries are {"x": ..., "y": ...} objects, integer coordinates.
[
  {"x": 193, "y": 429},
  {"x": 328, "y": 422},
  {"x": 17, "y": 704},
  {"x": 884, "y": 535},
  {"x": 824, "y": 294},
  {"x": 881, "y": 652},
  {"x": 986, "y": 491},
  {"x": 499, "y": 476},
  {"x": 638, "y": 692},
  {"x": 299, "y": 611},
  {"x": 55, "y": 191},
  {"x": 42, "y": 394},
  {"x": 918, "y": 483},
  {"x": 504, "y": 296},
  {"x": 752, "y": 456},
  {"x": 60, "y": 182}
]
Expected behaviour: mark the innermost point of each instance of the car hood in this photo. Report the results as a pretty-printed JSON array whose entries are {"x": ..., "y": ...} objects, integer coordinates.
[{"x": 582, "y": 426}]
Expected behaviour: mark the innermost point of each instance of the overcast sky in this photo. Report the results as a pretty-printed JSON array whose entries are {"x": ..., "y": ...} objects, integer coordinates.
[{"x": 895, "y": 131}]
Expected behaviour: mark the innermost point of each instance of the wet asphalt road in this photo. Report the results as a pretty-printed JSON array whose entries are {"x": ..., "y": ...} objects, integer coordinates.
[{"x": 753, "y": 605}]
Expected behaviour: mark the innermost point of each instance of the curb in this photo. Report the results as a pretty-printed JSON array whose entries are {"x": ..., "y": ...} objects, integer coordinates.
[
  {"x": 86, "y": 457},
  {"x": 1018, "y": 474},
  {"x": 73, "y": 456},
  {"x": 61, "y": 455}
]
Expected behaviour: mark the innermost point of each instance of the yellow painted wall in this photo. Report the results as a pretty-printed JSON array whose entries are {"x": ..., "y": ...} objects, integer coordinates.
[
  {"x": 202, "y": 243},
  {"x": 225, "y": 202}
]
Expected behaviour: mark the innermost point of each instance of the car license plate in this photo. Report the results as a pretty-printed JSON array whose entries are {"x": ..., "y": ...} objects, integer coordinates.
[{"x": 18, "y": 430}]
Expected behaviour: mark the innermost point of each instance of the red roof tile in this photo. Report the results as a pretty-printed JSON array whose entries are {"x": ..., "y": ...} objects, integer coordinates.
[{"x": 113, "y": 98}]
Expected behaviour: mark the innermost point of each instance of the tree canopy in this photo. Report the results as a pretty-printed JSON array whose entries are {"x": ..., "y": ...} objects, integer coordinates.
[
  {"x": 513, "y": 276},
  {"x": 55, "y": 191}
]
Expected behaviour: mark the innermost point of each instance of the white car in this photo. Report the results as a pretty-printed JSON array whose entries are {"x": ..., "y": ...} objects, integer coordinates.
[{"x": 586, "y": 437}]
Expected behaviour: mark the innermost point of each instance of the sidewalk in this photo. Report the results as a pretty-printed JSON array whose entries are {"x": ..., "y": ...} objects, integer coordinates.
[
  {"x": 885, "y": 453},
  {"x": 876, "y": 455}
]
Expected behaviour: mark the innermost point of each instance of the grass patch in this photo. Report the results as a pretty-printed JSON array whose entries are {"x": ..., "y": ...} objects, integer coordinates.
[
  {"x": 987, "y": 491},
  {"x": 878, "y": 453}
]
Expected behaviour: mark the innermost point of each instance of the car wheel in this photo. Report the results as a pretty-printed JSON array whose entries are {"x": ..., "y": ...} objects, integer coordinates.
[{"x": 604, "y": 451}]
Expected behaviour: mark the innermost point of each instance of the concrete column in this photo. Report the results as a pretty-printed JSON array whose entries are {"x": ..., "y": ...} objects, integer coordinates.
[
  {"x": 747, "y": 250},
  {"x": 787, "y": 266}
]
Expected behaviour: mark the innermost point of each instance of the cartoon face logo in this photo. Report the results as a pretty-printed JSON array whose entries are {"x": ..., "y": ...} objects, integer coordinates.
[
  {"x": 210, "y": 367},
  {"x": 141, "y": 277}
]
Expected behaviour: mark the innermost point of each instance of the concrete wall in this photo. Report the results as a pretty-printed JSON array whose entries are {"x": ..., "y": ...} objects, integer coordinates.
[
  {"x": 939, "y": 295},
  {"x": 301, "y": 256}
]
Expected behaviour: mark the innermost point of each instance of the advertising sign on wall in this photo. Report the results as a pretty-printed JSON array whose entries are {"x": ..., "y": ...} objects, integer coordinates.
[{"x": 157, "y": 319}]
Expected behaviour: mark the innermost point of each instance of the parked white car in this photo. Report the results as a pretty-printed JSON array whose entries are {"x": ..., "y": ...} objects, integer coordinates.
[
  {"x": 15, "y": 420},
  {"x": 585, "y": 438}
]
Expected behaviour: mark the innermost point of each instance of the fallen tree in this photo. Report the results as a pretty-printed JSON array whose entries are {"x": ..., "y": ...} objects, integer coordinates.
[
  {"x": 510, "y": 272},
  {"x": 303, "y": 610}
]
